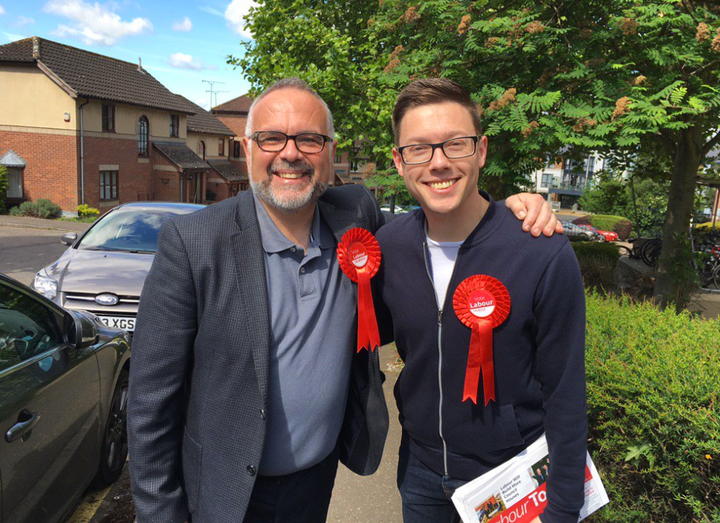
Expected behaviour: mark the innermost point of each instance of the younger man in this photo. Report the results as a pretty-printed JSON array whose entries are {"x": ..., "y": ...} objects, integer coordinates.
[{"x": 538, "y": 349}]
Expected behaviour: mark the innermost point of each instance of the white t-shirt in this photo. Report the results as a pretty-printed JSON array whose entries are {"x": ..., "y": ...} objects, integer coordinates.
[{"x": 442, "y": 259}]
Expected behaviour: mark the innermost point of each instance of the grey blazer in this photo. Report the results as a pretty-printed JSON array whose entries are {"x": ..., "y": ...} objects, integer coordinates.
[{"x": 199, "y": 371}]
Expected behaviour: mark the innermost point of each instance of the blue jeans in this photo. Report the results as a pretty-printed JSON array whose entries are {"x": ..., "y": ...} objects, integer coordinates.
[
  {"x": 425, "y": 493},
  {"x": 301, "y": 497}
]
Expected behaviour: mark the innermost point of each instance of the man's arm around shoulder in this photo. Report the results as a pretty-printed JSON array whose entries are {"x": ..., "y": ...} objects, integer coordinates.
[{"x": 160, "y": 365}]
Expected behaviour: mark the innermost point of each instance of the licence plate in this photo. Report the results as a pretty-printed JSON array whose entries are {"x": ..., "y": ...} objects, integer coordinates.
[{"x": 124, "y": 323}]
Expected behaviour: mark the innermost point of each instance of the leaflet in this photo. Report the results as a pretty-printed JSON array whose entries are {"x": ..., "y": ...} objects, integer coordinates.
[{"x": 515, "y": 492}]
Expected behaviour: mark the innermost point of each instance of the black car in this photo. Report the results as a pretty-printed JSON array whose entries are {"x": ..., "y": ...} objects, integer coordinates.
[{"x": 63, "y": 405}]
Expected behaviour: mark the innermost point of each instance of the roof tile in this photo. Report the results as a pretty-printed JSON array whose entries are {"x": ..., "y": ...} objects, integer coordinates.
[
  {"x": 204, "y": 122},
  {"x": 181, "y": 155}
]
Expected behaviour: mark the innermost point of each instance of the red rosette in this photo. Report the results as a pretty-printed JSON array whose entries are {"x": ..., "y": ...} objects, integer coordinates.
[
  {"x": 359, "y": 257},
  {"x": 358, "y": 251},
  {"x": 482, "y": 303}
]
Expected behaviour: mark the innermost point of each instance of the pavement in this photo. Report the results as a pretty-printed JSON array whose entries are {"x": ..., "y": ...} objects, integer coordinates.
[{"x": 24, "y": 222}]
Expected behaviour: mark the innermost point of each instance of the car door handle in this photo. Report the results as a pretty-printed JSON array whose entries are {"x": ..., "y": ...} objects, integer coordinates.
[{"x": 29, "y": 420}]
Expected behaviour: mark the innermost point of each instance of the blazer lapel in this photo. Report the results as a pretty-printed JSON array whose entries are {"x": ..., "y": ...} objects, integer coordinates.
[{"x": 252, "y": 288}]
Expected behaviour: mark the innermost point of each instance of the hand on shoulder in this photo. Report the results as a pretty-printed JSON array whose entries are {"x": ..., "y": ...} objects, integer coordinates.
[{"x": 536, "y": 214}]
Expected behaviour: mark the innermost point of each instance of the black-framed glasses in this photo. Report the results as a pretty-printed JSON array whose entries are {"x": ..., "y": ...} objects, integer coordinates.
[
  {"x": 275, "y": 141},
  {"x": 453, "y": 148}
]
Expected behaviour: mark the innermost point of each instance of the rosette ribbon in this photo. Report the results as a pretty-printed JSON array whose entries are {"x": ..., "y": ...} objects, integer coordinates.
[
  {"x": 482, "y": 303},
  {"x": 359, "y": 257}
]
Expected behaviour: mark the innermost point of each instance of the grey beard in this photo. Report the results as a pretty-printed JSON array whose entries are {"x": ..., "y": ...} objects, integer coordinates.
[{"x": 290, "y": 205}]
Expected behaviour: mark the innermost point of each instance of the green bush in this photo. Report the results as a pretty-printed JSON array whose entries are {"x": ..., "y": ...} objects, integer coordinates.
[
  {"x": 3, "y": 188},
  {"x": 597, "y": 262},
  {"x": 40, "y": 209},
  {"x": 48, "y": 209},
  {"x": 85, "y": 211},
  {"x": 654, "y": 411},
  {"x": 607, "y": 222}
]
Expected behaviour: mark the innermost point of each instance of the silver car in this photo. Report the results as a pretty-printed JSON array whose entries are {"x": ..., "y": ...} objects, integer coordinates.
[{"x": 104, "y": 269}]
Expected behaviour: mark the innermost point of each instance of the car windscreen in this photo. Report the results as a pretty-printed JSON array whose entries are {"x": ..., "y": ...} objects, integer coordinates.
[{"x": 126, "y": 230}]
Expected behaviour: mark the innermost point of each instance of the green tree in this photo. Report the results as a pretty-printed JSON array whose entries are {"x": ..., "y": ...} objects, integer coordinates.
[
  {"x": 631, "y": 75},
  {"x": 607, "y": 196}
]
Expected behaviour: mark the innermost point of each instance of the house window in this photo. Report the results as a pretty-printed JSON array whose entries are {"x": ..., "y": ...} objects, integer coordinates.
[
  {"x": 201, "y": 149},
  {"x": 547, "y": 180},
  {"x": 338, "y": 158},
  {"x": 15, "y": 183},
  {"x": 174, "y": 126},
  {"x": 108, "y": 117},
  {"x": 353, "y": 166},
  {"x": 143, "y": 132},
  {"x": 221, "y": 147},
  {"x": 236, "y": 149},
  {"x": 108, "y": 186}
]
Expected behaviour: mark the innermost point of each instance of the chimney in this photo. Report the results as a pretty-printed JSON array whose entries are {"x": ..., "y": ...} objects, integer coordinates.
[
  {"x": 140, "y": 64},
  {"x": 36, "y": 48}
]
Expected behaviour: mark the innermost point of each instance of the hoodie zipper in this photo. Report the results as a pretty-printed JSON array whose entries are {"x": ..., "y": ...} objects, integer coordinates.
[{"x": 439, "y": 343}]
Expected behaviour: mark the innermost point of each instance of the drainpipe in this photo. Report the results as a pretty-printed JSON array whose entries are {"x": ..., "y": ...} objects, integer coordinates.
[{"x": 82, "y": 152}]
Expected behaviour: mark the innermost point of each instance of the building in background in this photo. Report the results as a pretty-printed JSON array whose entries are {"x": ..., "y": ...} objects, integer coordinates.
[
  {"x": 564, "y": 180},
  {"x": 79, "y": 127},
  {"x": 215, "y": 143}
]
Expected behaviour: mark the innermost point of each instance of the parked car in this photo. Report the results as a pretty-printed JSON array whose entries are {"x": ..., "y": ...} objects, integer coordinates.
[
  {"x": 398, "y": 208},
  {"x": 610, "y": 236},
  {"x": 104, "y": 270},
  {"x": 580, "y": 232},
  {"x": 63, "y": 404}
]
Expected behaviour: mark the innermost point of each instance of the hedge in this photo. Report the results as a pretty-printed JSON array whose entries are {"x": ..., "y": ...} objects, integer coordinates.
[
  {"x": 607, "y": 222},
  {"x": 42, "y": 209},
  {"x": 654, "y": 411},
  {"x": 597, "y": 263}
]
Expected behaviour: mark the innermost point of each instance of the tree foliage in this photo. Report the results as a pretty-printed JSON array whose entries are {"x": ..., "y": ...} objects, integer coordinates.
[{"x": 626, "y": 75}]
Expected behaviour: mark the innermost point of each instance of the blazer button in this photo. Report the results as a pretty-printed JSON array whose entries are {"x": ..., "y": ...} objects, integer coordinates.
[
  {"x": 262, "y": 414},
  {"x": 251, "y": 470}
]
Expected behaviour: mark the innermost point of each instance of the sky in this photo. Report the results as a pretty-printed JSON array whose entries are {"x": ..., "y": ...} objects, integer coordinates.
[{"x": 181, "y": 43}]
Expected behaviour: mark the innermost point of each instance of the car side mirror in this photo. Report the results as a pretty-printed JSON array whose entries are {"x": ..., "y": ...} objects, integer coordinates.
[
  {"x": 81, "y": 330},
  {"x": 68, "y": 238}
]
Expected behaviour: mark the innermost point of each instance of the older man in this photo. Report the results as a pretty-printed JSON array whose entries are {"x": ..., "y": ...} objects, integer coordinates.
[{"x": 245, "y": 388}]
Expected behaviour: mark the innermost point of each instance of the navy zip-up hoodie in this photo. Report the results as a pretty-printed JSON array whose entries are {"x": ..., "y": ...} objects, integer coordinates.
[{"x": 538, "y": 354}]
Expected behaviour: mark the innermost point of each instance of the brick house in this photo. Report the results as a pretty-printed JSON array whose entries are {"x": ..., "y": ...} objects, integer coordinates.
[
  {"x": 213, "y": 141},
  {"x": 88, "y": 128}
]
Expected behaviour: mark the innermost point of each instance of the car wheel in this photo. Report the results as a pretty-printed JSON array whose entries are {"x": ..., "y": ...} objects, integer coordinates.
[
  {"x": 115, "y": 442},
  {"x": 583, "y": 237}
]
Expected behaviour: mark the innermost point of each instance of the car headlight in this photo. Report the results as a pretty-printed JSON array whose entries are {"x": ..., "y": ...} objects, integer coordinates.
[{"x": 45, "y": 285}]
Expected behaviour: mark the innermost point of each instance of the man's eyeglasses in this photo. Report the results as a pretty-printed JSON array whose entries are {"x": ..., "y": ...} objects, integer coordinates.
[
  {"x": 275, "y": 141},
  {"x": 454, "y": 148}
]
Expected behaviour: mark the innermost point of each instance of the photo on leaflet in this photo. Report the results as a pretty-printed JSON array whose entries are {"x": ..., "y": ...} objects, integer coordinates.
[
  {"x": 490, "y": 508},
  {"x": 539, "y": 471}
]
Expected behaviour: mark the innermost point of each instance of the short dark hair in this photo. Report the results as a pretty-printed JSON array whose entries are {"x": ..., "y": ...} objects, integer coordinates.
[{"x": 429, "y": 91}]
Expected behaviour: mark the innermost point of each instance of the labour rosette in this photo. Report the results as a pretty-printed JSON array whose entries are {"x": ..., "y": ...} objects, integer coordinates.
[
  {"x": 359, "y": 257},
  {"x": 482, "y": 303}
]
